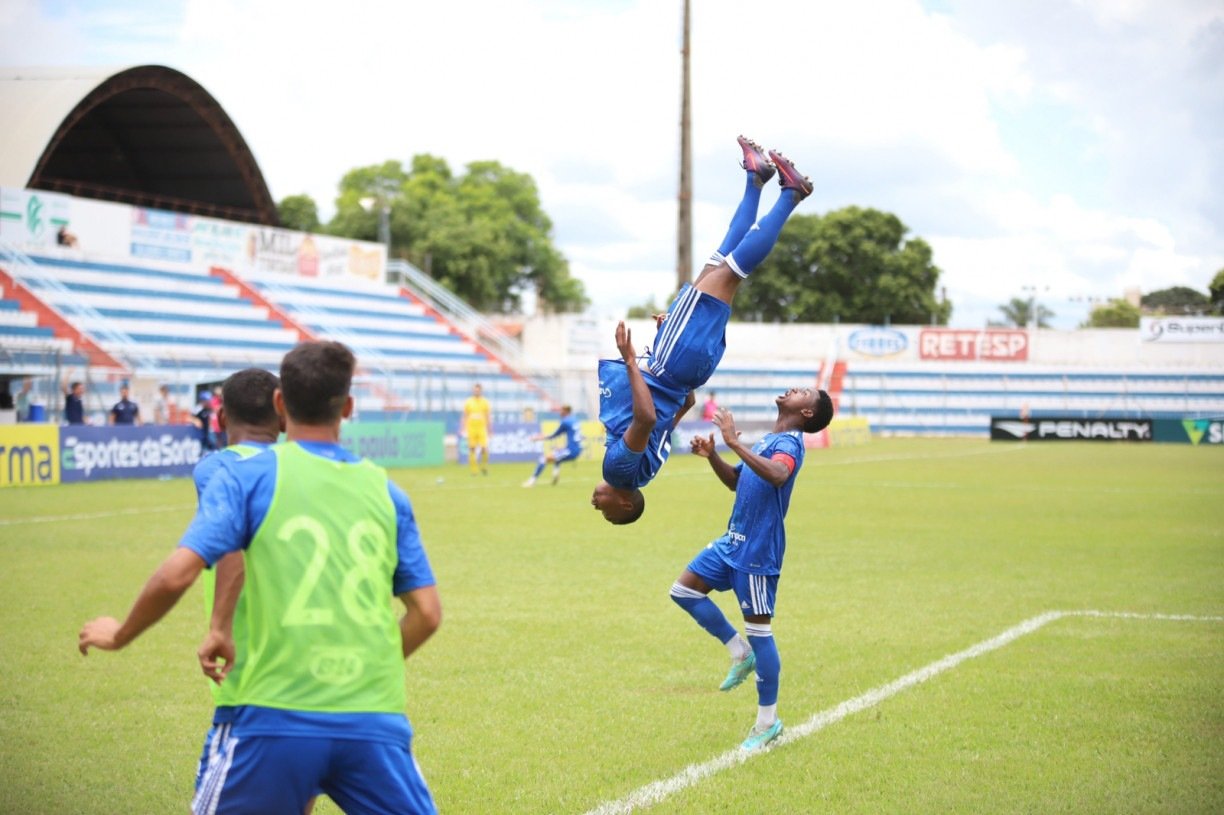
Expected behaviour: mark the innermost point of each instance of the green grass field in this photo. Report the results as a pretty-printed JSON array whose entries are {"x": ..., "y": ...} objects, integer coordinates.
[{"x": 564, "y": 679}]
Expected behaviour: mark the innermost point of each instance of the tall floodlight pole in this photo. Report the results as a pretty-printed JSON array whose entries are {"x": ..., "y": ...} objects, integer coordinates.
[{"x": 684, "y": 220}]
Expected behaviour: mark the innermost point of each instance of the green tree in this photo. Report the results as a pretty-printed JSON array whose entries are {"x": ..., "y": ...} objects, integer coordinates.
[
  {"x": 299, "y": 212},
  {"x": 1022, "y": 313},
  {"x": 483, "y": 234},
  {"x": 1176, "y": 300},
  {"x": 852, "y": 265},
  {"x": 1115, "y": 314},
  {"x": 1217, "y": 292},
  {"x": 645, "y": 310}
]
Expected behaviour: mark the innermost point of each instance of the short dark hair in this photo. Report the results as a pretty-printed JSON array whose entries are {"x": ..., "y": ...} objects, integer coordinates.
[
  {"x": 638, "y": 502},
  {"x": 822, "y": 415},
  {"x": 247, "y": 397},
  {"x": 315, "y": 378}
]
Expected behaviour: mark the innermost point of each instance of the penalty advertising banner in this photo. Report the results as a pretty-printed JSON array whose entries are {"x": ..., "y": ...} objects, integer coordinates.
[{"x": 152, "y": 451}]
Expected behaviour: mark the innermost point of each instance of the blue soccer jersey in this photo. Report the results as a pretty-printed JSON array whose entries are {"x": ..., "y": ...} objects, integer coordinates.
[
  {"x": 203, "y": 472},
  {"x": 622, "y": 467},
  {"x": 573, "y": 436},
  {"x": 755, "y": 540},
  {"x": 232, "y": 508}
]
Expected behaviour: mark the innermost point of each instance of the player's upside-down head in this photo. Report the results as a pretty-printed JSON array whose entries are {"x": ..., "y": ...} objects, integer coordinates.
[{"x": 619, "y": 506}]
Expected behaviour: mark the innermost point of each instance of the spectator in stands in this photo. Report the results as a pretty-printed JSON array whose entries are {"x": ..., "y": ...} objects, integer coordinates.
[
  {"x": 709, "y": 407},
  {"x": 165, "y": 411},
  {"x": 640, "y": 406},
  {"x": 6, "y": 396},
  {"x": 477, "y": 427},
  {"x": 74, "y": 403},
  {"x": 22, "y": 400},
  {"x": 125, "y": 411}
]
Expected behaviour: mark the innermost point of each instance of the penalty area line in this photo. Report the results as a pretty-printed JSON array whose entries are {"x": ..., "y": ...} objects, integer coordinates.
[{"x": 657, "y": 791}]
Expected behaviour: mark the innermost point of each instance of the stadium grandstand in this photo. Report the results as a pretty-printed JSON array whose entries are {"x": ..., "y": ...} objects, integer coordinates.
[{"x": 139, "y": 243}]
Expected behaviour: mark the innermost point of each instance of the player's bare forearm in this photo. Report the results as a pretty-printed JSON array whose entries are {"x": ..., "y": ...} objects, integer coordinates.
[
  {"x": 775, "y": 472},
  {"x": 644, "y": 416},
  {"x": 422, "y": 616},
  {"x": 725, "y": 472},
  {"x": 160, "y": 593},
  {"x": 231, "y": 575}
]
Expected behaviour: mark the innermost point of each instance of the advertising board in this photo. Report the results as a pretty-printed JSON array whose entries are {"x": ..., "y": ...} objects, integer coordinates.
[
  {"x": 29, "y": 455},
  {"x": 396, "y": 444},
  {"x": 152, "y": 451},
  {"x": 1014, "y": 428},
  {"x": 966, "y": 345}
]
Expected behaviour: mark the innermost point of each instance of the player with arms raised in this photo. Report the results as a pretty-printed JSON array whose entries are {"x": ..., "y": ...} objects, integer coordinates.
[{"x": 747, "y": 558}]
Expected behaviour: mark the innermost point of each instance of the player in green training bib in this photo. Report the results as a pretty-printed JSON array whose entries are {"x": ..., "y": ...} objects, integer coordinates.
[{"x": 326, "y": 537}]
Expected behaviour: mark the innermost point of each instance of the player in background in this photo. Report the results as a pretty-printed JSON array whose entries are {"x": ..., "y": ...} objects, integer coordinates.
[
  {"x": 641, "y": 401},
  {"x": 569, "y": 452},
  {"x": 249, "y": 419},
  {"x": 477, "y": 427},
  {"x": 747, "y": 558},
  {"x": 326, "y": 538}
]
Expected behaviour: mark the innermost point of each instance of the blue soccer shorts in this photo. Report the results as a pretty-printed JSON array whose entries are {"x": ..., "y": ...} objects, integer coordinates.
[
  {"x": 566, "y": 454},
  {"x": 275, "y": 775},
  {"x": 690, "y": 343},
  {"x": 756, "y": 594}
]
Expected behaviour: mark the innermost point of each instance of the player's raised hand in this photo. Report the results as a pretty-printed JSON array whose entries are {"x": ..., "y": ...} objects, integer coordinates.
[
  {"x": 659, "y": 318},
  {"x": 702, "y": 446},
  {"x": 624, "y": 342},
  {"x": 725, "y": 422},
  {"x": 216, "y": 655},
  {"x": 98, "y": 633}
]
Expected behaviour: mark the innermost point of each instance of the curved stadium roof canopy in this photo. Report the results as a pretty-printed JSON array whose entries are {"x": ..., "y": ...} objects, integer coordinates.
[{"x": 148, "y": 136}]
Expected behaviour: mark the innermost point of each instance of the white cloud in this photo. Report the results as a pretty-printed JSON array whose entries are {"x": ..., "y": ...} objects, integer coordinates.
[{"x": 1072, "y": 144}]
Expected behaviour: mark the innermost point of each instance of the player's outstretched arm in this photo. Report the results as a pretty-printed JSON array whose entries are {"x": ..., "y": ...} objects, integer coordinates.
[
  {"x": 644, "y": 417},
  {"x": 160, "y": 593},
  {"x": 704, "y": 446},
  {"x": 422, "y": 616},
  {"x": 775, "y": 472}
]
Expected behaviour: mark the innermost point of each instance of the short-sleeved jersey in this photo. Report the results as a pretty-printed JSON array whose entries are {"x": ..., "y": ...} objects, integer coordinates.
[
  {"x": 476, "y": 415},
  {"x": 622, "y": 467},
  {"x": 755, "y": 540},
  {"x": 125, "y": 411},
  {"x": 74, "y": 409},
  {"x": 573, "y": 435},
  {"x": 234, "y": 507}
]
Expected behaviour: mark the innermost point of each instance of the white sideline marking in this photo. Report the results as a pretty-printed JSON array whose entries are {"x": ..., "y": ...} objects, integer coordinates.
[
  {"x": 656, "y": 791},
  {"x": 85, "y": 516}
]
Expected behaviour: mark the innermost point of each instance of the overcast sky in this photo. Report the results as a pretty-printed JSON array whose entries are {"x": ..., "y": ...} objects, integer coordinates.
[{"x": 1071, "y": 147}]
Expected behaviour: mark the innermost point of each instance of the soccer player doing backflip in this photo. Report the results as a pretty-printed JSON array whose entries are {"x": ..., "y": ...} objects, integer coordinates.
[{"x": 641, "y": 400}]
